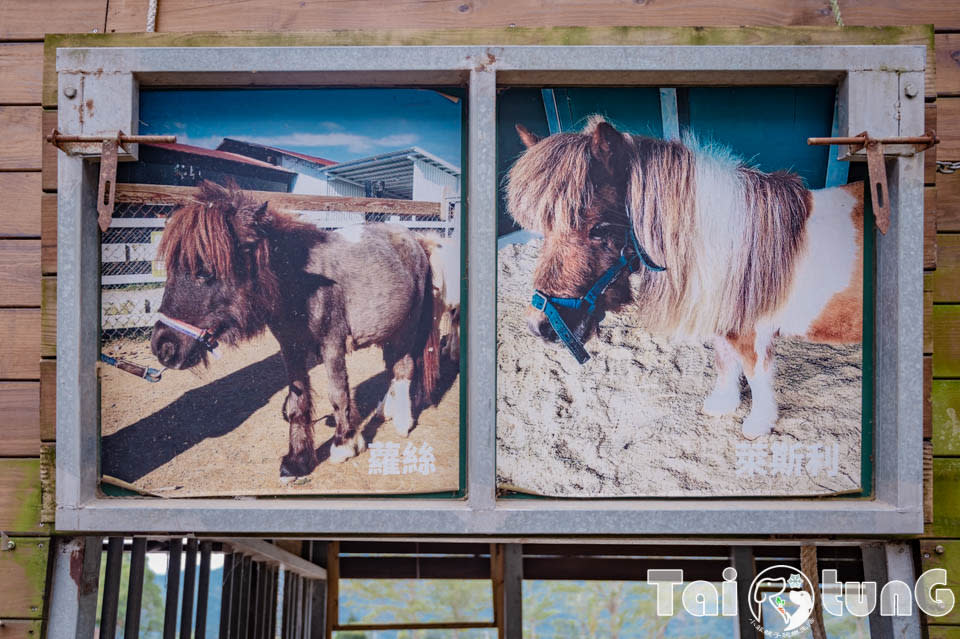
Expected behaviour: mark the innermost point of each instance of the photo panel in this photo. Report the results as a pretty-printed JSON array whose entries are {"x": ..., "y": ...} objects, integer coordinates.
[
  {"x": 280, "y": 296},
  {"x": 680, "y": 295}
]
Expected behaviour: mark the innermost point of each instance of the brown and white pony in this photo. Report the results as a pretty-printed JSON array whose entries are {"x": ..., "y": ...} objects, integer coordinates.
[
  {"x": 235, "y": 268},
  {"x": 748, "y": 255}
]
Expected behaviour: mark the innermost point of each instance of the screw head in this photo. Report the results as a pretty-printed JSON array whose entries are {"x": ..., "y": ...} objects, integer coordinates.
[
  {"x": 910, "y": 90},
  {"x": 11, "y": 544},
  {"x": 70, "y": 92},
  {"x": 939, "y": 549}
]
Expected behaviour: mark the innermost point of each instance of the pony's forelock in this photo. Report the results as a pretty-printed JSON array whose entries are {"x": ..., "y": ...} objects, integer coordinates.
[
  {"x": 199, "y": 237},
  {"x": 538, "y": 197}
]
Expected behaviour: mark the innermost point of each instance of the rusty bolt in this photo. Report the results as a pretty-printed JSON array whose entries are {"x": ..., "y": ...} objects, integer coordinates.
[
  {"x": 910, "y": 90},
  {"x": 939, "y": 549},
  {"x": 70, "y": 92},
  {"x": 11, "y": 544}
]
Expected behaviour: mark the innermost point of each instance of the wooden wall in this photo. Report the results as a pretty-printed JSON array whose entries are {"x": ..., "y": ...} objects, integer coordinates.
[{"x": 28, "y": 217}]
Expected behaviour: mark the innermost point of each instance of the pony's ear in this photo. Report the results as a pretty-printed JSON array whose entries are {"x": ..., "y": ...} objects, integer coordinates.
[
  {"x": 605, "y": 144},
  {"x": 252, "y": 223},
  {"x": 526, "y": 136}
]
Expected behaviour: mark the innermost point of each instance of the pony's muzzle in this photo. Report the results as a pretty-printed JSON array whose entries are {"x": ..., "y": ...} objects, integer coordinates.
[
  {"x": 169, "y": 348},
  {"x": 540, "y": 326}
]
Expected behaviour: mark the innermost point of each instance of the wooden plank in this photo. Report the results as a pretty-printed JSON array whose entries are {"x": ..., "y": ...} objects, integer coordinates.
[
  {"x": 29, "y": 20},
  {"x": 930, "y": 228},
  {"x": 48, "y": 233},
  {"x": 946, "y": 279},
  {"x": 927, "y": 322},
  {"x": 927, "y": 482},
  {"x": 21, "y": 137},
  {"x": 23, "y": 571},
  {"x": 948, "y": 63},
  {"x": 48, "y": 484},
  {"x": 946, "y": 498},
  {"x": 19, "y": 272},
  {"x": 21, "y": 66},
  {"x": 20, "y": 496},
  {"x": 945, "y": 409},
  {"x": 946, "y": 327},
  {"x": 948, "y": 121},
  {"x": 20, "y": 408},
  {"x": 48, "y": 317},
  {"x": 943, "y": 554},
  {"x": 50, "y": 153},
  {"x": 927, "y": 391},
  {"x": 943, "y": 632},
  {"x": 948, "y": 202},
  {"x": 930, "y": 155},
  {"x": 182, "y": 15},
  {"x": 20, "y": 629},
  {"x": 156, "y": 193},
  {"x": 48, "y": 400},
  {"x": 414, "y": 31},
  {"x": 20, "y": 204},
  {"x": 20, "y": 356}
]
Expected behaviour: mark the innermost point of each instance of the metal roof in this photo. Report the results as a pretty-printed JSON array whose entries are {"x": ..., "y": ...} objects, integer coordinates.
[
  {"x": 239, "y": 146},
  {"x": 394, "y": 169},
  {"x": 218, "y": 155}
]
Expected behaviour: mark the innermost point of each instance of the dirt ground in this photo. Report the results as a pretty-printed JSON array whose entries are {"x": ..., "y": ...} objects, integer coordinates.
[
  {"x": 219, "y": 430},
  {"x": 628, "y": 422}
]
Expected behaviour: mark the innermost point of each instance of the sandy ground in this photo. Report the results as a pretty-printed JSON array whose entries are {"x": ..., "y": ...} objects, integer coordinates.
[
  {"x": 219, "y": 431},
  {"x": 628, "y": 422}
]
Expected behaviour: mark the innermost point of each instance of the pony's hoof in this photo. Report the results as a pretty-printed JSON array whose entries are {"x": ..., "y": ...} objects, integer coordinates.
[
  {"x": 719, "y": 404},
  {"x": 347, "y": 450},
  {"x": 294, "y": 466},
  {"x": 754, "y": 426}
]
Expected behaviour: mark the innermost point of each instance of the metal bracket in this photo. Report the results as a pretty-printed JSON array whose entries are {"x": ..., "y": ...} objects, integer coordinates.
[
  {"x": 876, "y": 165},
  {"x": 108, "y": 163}
]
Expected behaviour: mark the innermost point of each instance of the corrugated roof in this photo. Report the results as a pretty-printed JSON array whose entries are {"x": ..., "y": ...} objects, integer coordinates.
[
  {"x": 394, "y": 169},
  {"x": 218, "y": 155}
]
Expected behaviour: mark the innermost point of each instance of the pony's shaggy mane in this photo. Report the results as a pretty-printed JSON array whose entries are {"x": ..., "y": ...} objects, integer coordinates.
[
  {"x": 728, "y": 234},
  {"x": 199, "y": 237}
]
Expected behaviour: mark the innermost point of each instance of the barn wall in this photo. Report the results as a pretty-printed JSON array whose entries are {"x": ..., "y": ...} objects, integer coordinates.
[{"x": 28, "y": 214}]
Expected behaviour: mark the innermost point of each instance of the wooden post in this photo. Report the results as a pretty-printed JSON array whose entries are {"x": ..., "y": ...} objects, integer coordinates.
[
  {"x": 496, "y": 580},
  {"x": 808, "y": 564},
  {"x": 333, "y": 587}
]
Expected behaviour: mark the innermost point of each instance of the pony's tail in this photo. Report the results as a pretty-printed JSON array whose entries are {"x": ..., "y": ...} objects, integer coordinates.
[{"x": 429, "y": 359}]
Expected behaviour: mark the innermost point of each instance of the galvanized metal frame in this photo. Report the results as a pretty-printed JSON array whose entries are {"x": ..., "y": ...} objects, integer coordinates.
[{"x": 872, "y": 97}]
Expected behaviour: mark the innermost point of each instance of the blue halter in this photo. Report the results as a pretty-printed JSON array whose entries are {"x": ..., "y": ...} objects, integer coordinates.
[{"x": 548, "y": 304}]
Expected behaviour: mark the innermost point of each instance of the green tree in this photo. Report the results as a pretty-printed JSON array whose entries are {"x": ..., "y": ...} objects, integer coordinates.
[{"x": 151, "y": 605}]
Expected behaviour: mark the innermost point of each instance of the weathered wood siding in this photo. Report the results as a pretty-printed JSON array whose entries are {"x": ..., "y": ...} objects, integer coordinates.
[{"x": 28, "y": 201}]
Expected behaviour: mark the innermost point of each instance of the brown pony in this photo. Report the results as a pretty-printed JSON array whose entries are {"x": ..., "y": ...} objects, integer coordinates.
[
  {"x": 747, "y": 256},
  {"x": 235, "y": 268}
]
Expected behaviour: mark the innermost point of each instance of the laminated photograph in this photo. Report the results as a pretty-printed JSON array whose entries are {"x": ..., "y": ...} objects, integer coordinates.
[
  {"x": 680, "y": 308},
  {"x": 285, "y": 281}
]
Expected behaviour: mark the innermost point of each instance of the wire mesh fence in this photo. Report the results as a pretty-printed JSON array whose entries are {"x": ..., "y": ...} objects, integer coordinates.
[{"x": 132, "y": 277}]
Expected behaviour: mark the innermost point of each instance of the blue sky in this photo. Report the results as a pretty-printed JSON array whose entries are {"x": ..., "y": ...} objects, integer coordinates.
[{"x": 337, "y": 124}]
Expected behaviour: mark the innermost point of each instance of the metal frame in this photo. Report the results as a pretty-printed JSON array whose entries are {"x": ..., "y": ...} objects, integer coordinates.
[{"x": 872, "y": 98}]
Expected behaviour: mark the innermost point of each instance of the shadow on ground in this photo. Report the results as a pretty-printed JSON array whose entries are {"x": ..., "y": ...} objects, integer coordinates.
[{"x": 217, "y": 408}]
